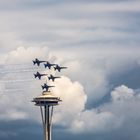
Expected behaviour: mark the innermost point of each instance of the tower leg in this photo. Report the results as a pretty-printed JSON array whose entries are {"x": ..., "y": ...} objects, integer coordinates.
[
  {"x": 51, "y": 114},
  {"x": 43, "y": 121},
  {"x": 45, "y": 117},
  {"x": 48, "y": 121}
]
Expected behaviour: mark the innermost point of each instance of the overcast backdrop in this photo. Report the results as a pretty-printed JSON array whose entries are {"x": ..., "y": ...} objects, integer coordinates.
[{"x": 98, "y": 40}]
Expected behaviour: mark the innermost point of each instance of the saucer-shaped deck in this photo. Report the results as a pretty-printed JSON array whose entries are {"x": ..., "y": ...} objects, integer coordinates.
[{"x": 47, "y": 98}]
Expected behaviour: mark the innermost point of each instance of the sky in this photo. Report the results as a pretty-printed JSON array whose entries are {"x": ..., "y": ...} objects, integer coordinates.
[{"x": 98, "y": 40}]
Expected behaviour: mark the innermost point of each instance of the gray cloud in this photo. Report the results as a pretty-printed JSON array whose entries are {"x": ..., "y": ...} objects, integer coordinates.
[
  {"x": 58, "y": 26},
  {"x": 97, "y": 40},
  {"x": 102, "y": 64}
]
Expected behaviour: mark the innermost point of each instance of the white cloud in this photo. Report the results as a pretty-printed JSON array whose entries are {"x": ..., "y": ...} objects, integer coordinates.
[
  {"x": 73, "y": 97},
  {"x": 17, "y": 85},
  {"x": 124, "y": 105},
  {"x": 72, "y": 113},
  {"x": 22, "y": 54},
  {"x": 122, "y": 93},
  {"x": 90, "y": 121}
]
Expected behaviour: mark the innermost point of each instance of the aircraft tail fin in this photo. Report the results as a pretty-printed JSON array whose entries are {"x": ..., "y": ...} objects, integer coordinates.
[
  {"x": 42, "y": 87},
  {"x": 45, "y": 65},
  {"x": 35, "y": 75},
  {"x": 34, "y": 62},
  {"x": 55, "y": 68}
]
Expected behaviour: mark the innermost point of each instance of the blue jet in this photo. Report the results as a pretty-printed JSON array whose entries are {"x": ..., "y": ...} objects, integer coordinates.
[
  {"x": 45, "y": 86},
  {"x": 36, "y": 61},
  {"x": 58, "y": 68},
  {"x": 51, "y": 77},
  {"x": 49, "y": 65},
  {"x": 39, "y": 75}
]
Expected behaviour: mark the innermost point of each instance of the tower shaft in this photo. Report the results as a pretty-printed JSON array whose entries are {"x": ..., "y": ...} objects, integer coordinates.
[{"x": 46, "y": 113}]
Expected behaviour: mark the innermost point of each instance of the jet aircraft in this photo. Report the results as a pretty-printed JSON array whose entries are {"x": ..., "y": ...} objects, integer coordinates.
[
  {"x": 45, "y": 86},
  {"x": 37, "y": 61},
  {"x": 49, "y": 65},
  {"x": 39, "y": 75},
  {"x": 51, "y": 77},
  {"x": 58, "y": 68}
]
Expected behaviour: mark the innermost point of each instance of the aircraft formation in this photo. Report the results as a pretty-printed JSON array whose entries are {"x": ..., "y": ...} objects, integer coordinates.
[{"x": 48, "y": 65}]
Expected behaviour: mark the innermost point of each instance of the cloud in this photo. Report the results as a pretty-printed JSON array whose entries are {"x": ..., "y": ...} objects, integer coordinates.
[
  {"x": 124, "y": 105},
  {"x": 72, "y": 94},
  {"x": 73, "y": 97},
  {"x": 62, "y": 26},
  {"x": 110, "y": 116},
  {"x": 99, "y": 42},
  {"x": 17, "y": 83},
  {"x": 16, "y": 56},
  {"x": 13, "y": 115},
  {"x": 105, "y": 118},
  {"x": 102, "y": 5},
  {"x": 73, "y": 113},
  {"x": 92, "y": 121},
  {"x": 122, "y": 93}
]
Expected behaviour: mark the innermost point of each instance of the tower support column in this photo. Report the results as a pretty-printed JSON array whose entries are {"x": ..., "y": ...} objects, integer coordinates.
[{"x": 46, "y": 114}]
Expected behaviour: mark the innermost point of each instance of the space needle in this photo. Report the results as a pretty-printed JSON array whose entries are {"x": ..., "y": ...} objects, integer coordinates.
[{"x": 47, "y": 100}]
